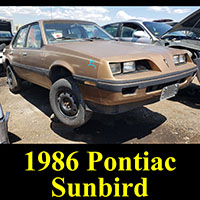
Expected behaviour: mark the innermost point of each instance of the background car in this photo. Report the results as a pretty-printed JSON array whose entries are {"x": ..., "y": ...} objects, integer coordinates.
[
  {"x": 141, "y": 31},
  {"x": 5, "y": 37},
  {"x": 183, "y": 35}
]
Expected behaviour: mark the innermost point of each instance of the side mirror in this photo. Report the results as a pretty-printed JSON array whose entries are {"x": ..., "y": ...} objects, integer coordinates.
[{"x": 141, "y": 34}]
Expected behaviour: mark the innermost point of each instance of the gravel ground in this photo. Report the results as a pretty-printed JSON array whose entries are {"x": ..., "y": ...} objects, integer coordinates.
[{"x": 170, "y": 121}]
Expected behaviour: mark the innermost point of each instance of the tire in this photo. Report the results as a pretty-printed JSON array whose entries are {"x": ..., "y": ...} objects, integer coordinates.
[
  {"x": 14, "y": 82},
  {"x": 67, "y": 103},
  {"x": 1, "y": 68}
]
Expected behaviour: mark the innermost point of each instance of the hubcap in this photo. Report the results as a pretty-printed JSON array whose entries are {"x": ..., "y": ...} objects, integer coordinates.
[{"x": 67, "y": 103}]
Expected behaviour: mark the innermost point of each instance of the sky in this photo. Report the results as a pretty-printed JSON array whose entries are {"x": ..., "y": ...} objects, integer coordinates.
[{"x": 100, "y": 14}]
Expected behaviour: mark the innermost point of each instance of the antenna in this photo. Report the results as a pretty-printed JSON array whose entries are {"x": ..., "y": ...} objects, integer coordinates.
[{"x": 51, "y": 11}]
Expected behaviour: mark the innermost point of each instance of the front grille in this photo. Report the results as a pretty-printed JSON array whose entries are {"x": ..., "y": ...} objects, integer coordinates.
[
  {"x": 130, "y": 90},
  {"x": 161, "y": 86}
]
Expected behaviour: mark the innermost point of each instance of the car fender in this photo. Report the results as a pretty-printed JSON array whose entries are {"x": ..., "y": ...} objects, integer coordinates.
[{"x": 63, "y": 64}]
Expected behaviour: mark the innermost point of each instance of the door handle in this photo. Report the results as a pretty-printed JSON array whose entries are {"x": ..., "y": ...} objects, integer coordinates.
[{"x": 24, "y": 54}]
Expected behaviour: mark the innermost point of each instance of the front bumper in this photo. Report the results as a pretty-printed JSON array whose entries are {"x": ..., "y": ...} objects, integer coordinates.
[
  {"x": 112, "y": 97},
  {"x": 118, "y": 86}
]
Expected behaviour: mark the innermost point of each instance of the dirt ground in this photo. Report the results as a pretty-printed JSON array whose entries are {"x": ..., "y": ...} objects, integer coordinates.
[{"x": 171, "y": 121}]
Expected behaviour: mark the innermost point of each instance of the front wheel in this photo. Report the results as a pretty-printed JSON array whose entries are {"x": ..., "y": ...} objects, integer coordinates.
[{"x": 67, "y": 103}]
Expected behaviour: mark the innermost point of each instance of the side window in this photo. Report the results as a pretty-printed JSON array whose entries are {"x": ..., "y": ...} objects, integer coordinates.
[
  {"x": 127, "y": 32},
  {"x": 34, "y": 40},
  {"x": 20, "y": 39},
  {"x": 112, "y": 29},
  {"x": 129, "y": 29}
]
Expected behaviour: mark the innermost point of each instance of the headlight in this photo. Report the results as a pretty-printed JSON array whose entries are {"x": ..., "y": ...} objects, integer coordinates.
[
  {"x": 179, "y": 59},
  {"x": 129, "y": 67},
  {"x": 182, "y": 58},
  {"x": 116, "y": 68},
  {"x": 176, "y": 60}
]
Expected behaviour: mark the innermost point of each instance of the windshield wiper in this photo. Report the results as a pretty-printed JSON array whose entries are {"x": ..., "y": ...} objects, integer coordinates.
[
  {"x": 99, "y": 38},
  {"x": 95, "y": 38},
  {"x": 63, "y": 38}
]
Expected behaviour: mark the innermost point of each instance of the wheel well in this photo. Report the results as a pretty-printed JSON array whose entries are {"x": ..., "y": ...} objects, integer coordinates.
[
  {"x": 58, "y": 72},
  {"x": 6, "y": 64}
]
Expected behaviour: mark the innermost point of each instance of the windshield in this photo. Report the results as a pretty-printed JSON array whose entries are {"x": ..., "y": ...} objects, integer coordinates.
[
  {"x": 67, "y": 32},
  {"x": 158, "y": 29},
  {"x": 5, "y": 34}
]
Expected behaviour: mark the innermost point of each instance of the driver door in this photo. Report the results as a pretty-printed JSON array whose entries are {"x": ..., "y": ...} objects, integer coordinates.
[{"x": 33, "y": 57}]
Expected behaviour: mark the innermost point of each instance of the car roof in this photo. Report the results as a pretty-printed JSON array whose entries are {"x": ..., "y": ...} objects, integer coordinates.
[
  {"x": 67, "y": 20},
  {"x": 128, "y": 21},
  {"x": 59, "y": 20},
  {"x": 133, "y": 21}
]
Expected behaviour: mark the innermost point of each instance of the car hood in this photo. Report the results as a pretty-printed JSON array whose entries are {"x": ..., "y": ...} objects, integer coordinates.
[
  {"x": 190, "y": 23},
  {"x": 111, "y": 50}
]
